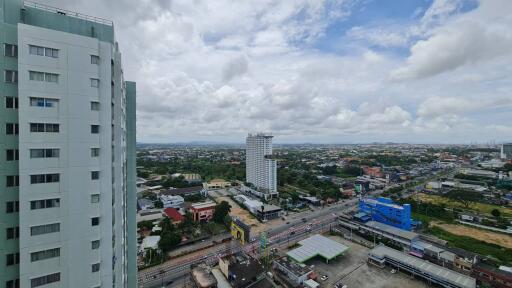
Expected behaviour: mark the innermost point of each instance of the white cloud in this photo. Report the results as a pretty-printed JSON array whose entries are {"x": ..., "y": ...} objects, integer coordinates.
[
  {"x": 215, "y": 70},
  {"x": 477, "y": 36}
]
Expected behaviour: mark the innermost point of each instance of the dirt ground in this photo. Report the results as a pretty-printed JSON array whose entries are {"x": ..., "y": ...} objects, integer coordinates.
[
  {"x": 244, "y": 215},
  {"x": 486, "y": 236}
]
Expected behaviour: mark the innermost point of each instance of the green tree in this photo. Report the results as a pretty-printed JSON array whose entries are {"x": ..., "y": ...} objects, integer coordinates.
[
  {"x": 221, "y": 211},
  {"x": 148, "y": 225},
  {"x": 496, "y": 213},
  {"x": 169, "y": 240},
  {"x": 466, "y": 197},
  {"x": 158, "y": 204}
]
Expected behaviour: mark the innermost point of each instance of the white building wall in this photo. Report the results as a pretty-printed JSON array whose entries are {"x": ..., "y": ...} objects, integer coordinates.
[
  {"x": 75, "y": 163},
  {"x": 261, "y": 171}
]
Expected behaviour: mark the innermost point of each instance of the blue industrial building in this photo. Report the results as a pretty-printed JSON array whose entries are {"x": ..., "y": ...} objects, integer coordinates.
[{"x": 383, "y": 210}]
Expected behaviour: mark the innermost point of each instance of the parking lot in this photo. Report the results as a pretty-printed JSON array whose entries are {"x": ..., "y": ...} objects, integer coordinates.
[{"x": 352, "y": 270}]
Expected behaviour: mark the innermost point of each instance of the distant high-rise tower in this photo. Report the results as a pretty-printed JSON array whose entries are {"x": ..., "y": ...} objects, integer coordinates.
[
  {"x": 261, "y": 169},
  {"x": 506, "y": 151},
  {"x": 67, "y": 141}
]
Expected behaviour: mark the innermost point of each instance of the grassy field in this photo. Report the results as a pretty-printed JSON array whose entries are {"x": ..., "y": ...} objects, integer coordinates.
[
  {"x": 470, "y": 244},
  {"x": 480, "y": 207}
]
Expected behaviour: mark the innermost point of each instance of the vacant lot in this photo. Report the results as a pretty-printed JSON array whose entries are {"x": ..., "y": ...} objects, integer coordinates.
[
  {"x": 244, "y": 215},
  {"x": 482, "y": 235},
  {"x": 480, "y": 207}
]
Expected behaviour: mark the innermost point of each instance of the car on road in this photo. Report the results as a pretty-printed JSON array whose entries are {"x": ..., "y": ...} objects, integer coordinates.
[
  {"x": 325, "y": 277},
  {"x": 393, "y": 271},
  {"x": 304, "y": 220}
]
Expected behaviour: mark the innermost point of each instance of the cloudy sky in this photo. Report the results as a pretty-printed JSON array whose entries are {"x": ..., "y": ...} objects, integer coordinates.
[{"x": 340, "y": 71}]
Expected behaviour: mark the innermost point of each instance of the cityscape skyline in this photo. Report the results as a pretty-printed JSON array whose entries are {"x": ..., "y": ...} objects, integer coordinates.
[{"x": 333, "y": 71}]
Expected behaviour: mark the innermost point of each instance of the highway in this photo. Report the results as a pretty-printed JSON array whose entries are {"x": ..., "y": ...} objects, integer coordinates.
[
  {"x": 296, "y": 228},
  {"x": 169, "y": 271}
]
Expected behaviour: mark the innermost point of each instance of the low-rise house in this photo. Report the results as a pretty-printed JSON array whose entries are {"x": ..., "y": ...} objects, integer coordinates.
[
  {"x": 203, "y": 277},
  {"x": 145, "y": 204},
  {"x": 242, "y": 271},
  {"x": 294, "y": 274},
  {"x": 149, "y": 215},
  {"x": 174, "y": 215},
  {"x": 202, "y": 212},
  {"x": 492, "y": 276},
  {"x": 172, "y": 201},
  {"x": 217, "y": 184},
  {"x": 184, "y": 191}
]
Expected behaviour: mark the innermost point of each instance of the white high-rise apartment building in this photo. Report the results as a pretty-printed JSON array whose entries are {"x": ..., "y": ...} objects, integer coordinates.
[
  {"x": 261, "y": 168},
  {"x": 506, "y": 151},
  {"x": 67, "y": 181}
]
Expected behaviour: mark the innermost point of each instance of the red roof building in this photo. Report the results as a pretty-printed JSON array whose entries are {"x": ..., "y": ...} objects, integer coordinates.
[{"x": 174, "y": 215}]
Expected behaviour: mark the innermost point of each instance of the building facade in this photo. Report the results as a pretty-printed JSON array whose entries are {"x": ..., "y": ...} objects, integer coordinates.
[
  {"x": 383, "y": 210},
  {"x": 68, "y": 147},
  {"x": 202, "y": 212},
  {"x": 261, "y": 168},
  {"x": 506, "y": 151}
]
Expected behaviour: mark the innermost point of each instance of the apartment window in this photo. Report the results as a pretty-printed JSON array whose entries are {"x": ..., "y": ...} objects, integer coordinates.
[
  {"x": 43, "y": 280},
  {"x": 43, "y": 76},
  {"x": 95, "y": 152},
  {"x": 95, "y": 82},
  {"x": 45, "y": 203},
  {"x": 95, "y": 129},
  {"x": 45, "y": 254},
  {"x": 12, "y": 283},
  {"x": 12, "y": 181},
  {"x": 11, "y": 128},
  {"x": 43, "y": 51},
  {"x": 95, "y": 221},
  {"x": 12, "y": 259},
  {"x": 12, "y": 207},
  {"x": 43, "y": 102},
  {"x": 12, "y": 154},
  {"x": 44, "y": 178},
  {"x": 95, "y": 106},
  {"x": 44, "y": 229},
  {"x": 95, "y": 267},
  {"x": 95, "y": 59},
  {"x": 44, "y": 127},
  {"x": 11, "y": 76},
  {"x": 95, "y": 244},
  {"x": 11, "y": 102},
  {"x": 44, "y": 153},
  {"x": 95, "y": 198},
  {"x": 95, "y": 175},
  {"x": 12, "y": 232},
  {"x": 10, "y": 50}
]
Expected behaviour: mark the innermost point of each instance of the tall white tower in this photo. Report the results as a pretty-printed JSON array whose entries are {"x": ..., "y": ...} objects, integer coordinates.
[
  {"x": 68, "y": 179},
  {"x": 261, "y": 168}
]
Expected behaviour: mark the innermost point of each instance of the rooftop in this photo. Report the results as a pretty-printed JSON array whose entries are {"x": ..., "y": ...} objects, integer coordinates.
[
  {"x": 392, "y": 230},
  {"x": 208, "y": 204},
  {"x": 439, "y": 272},
  {"x": 49, "y": 8},
  {"x": 317, "y": 245},
  {"x": 296, "y": 268},
  {"x": 183, "y": 191},
  {"x": 173, "y": 214}
]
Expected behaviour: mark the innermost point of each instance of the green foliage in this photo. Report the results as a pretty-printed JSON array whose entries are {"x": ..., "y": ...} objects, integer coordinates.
[
  {"x": 148, "y": 195},
  {"x": 169, "y": 237},
  {"x": 392, "y": 160},
  {"x": 464, "y": 196},
  {"x": 221, "y": 211},
  {"x": 496, "y": 213},
  {"x": 158, "y": 204},
  {"x": 148, "y": 225},
  {"x": 176, "y": 182},
  {"x": 504, "y": 255}
]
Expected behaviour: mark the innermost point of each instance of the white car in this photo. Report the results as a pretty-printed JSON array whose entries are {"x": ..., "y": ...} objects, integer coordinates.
[{"x": 325, "y": 277}]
